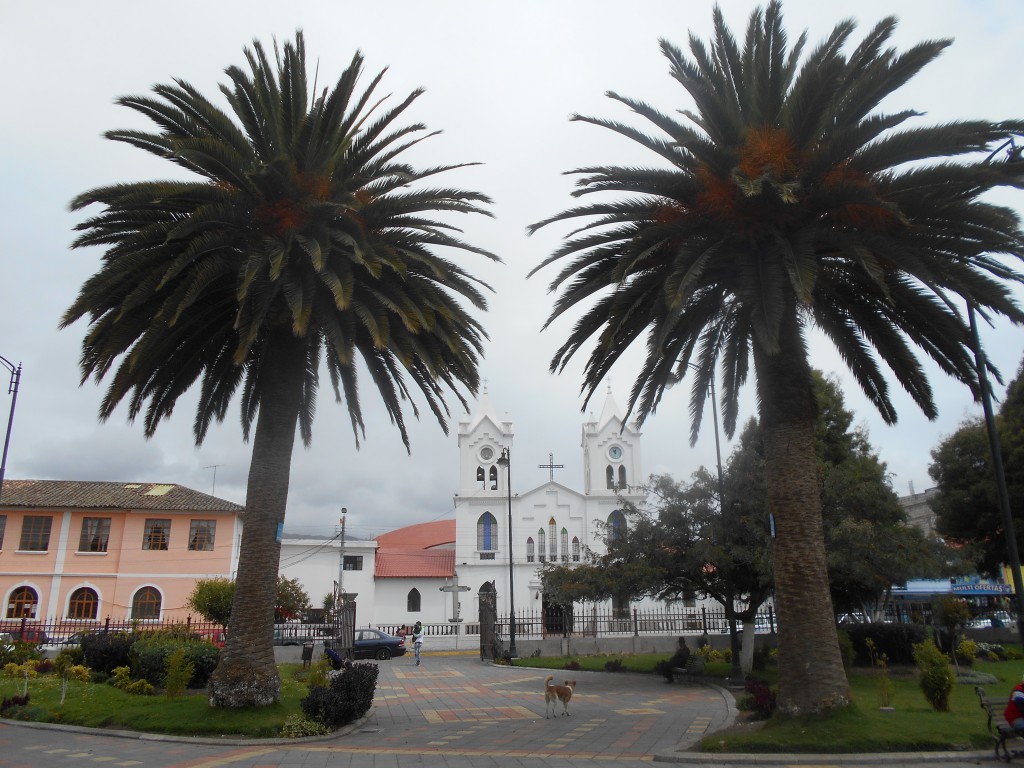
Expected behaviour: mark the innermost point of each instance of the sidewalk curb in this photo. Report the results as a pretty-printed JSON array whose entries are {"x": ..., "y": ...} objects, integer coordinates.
[{"x": 827, "y": 759}]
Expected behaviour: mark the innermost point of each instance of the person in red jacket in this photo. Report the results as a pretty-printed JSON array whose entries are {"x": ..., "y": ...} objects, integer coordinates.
[{"x": 1014, "y": 712}]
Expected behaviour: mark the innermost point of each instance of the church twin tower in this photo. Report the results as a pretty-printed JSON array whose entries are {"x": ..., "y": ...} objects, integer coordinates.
[{"x": 550, "y": 523}]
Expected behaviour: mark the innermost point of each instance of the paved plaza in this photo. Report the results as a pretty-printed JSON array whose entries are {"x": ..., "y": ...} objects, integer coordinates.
[{"x": 453, "y": 712}]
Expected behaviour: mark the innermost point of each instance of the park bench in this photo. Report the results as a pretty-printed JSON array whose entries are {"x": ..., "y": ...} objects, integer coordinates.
[
  {"x": 1000, "y": 730},
  {"x": 694, "y": 669}
]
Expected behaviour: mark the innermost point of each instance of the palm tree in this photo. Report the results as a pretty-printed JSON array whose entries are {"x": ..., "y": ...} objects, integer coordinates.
[
  {"x": 785, "y": 203},
  {"x": 300, "y": 238}
]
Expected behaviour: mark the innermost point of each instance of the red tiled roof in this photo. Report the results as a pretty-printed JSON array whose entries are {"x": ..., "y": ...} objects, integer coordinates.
[
  {"x": 87, "y": 494},
  {"x": 414, "y": 563},
  {"x": 419, "y": 536}
]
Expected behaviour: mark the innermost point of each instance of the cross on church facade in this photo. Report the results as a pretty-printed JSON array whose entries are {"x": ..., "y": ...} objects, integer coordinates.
[{"x": 551, "y": 466}]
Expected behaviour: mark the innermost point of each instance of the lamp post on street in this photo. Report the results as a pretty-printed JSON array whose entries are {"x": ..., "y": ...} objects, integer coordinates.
[
  {"x": 12, "y": 389},
  {"x": 505, "y": 460},
  {"x": 341, "y": 562}
]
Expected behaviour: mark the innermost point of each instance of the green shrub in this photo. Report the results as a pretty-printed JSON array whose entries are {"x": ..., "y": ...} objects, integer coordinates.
[
  {"x": 178, "y": 673},
  {"x": 896, "y": 641},
  {"x": 105, "y": 651},
  {"x": 78, "y": 672},
  {"x": 613, "y": 665},
  {"x": 296, "y": 726},
  {"x": 69, "y": 657},
  {"x": 18, "y": 653},
  {"x": 122, "y": 680},
  {"x": 937, "y": 679},
  {"x": 967, "y": 652},
  {"x": 149, "y": 654},
  {"x": 1014, "y": 654},
  {"x": 348, "y": 697}
]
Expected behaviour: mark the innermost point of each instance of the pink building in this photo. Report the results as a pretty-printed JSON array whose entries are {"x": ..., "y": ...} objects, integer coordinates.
[{"x": 85, "y": 551}]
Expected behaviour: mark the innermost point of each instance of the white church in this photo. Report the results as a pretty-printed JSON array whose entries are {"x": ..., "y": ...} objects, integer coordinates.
[{"x": 434, "y": 572}]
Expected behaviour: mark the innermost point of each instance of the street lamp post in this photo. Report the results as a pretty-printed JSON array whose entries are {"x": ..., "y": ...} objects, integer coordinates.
[
  {"x": 505, "y": 460},
  {"x": 341, "y": 562},
  {"x": 12, "y": 389}
]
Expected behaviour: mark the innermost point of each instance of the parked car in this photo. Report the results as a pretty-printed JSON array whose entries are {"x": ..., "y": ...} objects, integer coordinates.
[
  {"x": 993, "y": 619},
  {"x": 31, "y": 635},
  {"x": 372, "y": 644},
  {"x": 216, "y": 636},
  {"x": 292, "y": 634}
]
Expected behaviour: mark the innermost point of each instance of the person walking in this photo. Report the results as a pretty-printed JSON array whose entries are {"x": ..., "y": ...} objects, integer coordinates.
[{"x": 417, "y": 640}]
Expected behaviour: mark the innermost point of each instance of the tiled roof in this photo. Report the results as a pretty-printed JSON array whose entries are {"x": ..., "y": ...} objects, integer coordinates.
[
  {"x": 414, "y": 563},
  {"x": 87, "y": 494},
  {"x": 419, "y": 536}
]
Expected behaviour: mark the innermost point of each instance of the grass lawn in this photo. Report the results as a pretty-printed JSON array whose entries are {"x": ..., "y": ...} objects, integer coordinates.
[
  {"x": 912, "y": 725},
  {"x": 103, "y": 706}
]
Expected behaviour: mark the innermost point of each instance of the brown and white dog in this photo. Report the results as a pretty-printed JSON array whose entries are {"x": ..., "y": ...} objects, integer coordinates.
[{"x": 555, "y": 693}]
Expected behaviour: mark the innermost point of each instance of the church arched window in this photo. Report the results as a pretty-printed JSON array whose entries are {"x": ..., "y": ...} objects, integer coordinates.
[
  {"x": 540, "y": 544},
  {"x": 530, "y": 552},
  {"x": 553, "y": 540},
  {"x": 487, "y": 536},
  {"x": 564, "y": 542},
  {"x": 609, "y": 473},
  {"x": 412, "y": 601},
  {"x": 481, "y": 477},
  {"x": 575, "y": 549},
  {"x": 616, "y": 525},
  {"x": 622, "y": 477},
  {"x": 494, "y": 478}
]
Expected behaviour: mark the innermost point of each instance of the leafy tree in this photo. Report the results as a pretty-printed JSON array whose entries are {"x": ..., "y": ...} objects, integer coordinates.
[
  {"x": 298, "y": 239},
  {"x": 869, "y": 545},
  {"x": 967, "y": 503},
  {"x": 291, "y": 601},
  {"x": 212, "y": 599},
  {"x": 783, "y": 202}
]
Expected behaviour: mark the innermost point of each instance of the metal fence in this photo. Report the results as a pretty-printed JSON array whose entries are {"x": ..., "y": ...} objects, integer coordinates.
[{"x": 595, "y": 623}]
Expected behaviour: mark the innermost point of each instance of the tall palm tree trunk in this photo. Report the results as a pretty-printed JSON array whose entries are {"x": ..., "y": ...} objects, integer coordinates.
[
  {"x": 811, "y": 674},
  {"x": 247, "y": 675}
]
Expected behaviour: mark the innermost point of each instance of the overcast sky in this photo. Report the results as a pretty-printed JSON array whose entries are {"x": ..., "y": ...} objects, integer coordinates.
[{"x": 502, "y": 80}]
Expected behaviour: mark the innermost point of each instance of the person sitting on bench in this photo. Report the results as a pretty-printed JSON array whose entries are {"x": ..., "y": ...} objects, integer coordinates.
[{"x": 1014, "y": 712}]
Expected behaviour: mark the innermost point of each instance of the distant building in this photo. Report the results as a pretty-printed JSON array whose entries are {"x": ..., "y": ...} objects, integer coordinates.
[
  {"x": 918, "y": 507},
  {"x": 85, "y": 551}
]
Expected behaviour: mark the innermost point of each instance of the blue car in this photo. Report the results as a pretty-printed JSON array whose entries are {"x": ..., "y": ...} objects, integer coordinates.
[{"x": 374, "y": 644}]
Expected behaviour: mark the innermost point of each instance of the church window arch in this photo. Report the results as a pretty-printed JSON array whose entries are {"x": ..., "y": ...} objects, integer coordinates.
[
  {"x": 575, "y": 549},
  {"x": 616, "y": 525},
  {"x": 540, "y": 544},
  {"x": 530, "y": 552},
  {"x": 609, "y": 474},
  {"x": 622, "y": 476},
  {"x": 494, "y": 478},
  {"x": 481, "y": 477},
  {"x": 22, "y": 603},
  {"x": 412, "y": 601},
  {"x": 84, "y": 603},
  {"x": 564, "y": 545},
  {"x": 553, "y": 540},
  {"x": 487, "y": 536}
]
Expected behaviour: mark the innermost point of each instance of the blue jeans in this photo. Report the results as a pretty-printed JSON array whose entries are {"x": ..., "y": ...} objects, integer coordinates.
[{"x": 417, "y": 647}]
